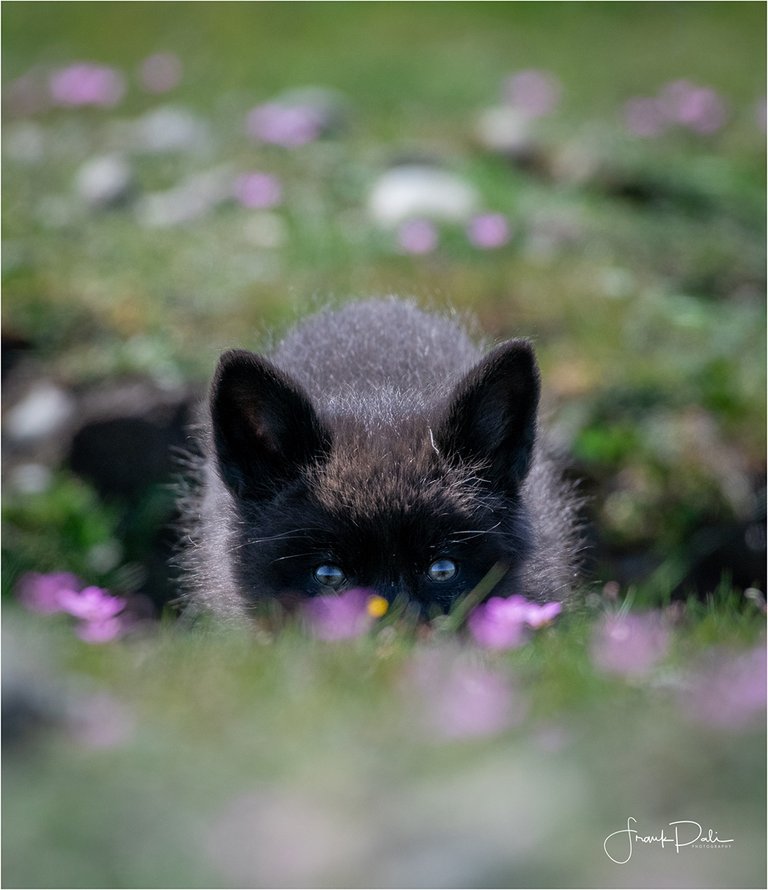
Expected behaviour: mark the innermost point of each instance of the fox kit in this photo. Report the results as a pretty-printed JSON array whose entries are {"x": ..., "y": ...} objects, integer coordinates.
[{"x": 376, "y": 447}]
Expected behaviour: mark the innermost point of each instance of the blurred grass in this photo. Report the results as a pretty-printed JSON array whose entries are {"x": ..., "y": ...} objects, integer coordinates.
[{"x": 209, "y": 723}]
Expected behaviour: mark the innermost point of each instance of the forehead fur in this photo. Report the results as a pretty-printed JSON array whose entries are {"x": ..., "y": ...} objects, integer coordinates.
[{"x": 365, "y": 476}]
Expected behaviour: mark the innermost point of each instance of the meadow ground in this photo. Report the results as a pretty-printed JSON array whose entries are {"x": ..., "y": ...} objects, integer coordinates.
[{"x": 170, "y": 198}]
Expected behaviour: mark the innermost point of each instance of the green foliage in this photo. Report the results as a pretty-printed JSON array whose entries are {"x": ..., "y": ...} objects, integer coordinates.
[{"x": 64, "y": 528}]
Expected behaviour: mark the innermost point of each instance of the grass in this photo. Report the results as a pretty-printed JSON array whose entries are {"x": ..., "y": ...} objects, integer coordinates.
[
  {"x": 197, "y": 757},
  {"x": 217, "y": 735}
]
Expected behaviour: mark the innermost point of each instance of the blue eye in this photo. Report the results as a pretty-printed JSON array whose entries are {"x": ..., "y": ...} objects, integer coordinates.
[
  {"x": 329, "y": 576},
  {"x": 442, "y": 570}
]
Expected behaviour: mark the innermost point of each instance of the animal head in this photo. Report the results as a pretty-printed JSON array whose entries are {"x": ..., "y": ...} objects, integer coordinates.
[{"x": 413, "y": 504}]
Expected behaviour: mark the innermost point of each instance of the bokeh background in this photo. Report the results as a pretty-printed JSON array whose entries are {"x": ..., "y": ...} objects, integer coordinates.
[{"x": 180, "y": 178}]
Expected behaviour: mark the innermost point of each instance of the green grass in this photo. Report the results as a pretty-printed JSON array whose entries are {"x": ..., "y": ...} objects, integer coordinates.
[{"x": 223, "y": 734}]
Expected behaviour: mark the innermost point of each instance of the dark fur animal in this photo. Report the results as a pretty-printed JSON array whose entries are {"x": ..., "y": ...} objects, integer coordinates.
[{"x": 377, "y": 447}]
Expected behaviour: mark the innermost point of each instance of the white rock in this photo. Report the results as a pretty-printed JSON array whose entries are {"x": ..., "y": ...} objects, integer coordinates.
[
  {"x": 418, "y": 190},
  {"x": 42, "y": 412},
  {"x": 503, "y": 129},
  {"x": 170, "y": 128},
  {"x": 104, "y": 181},
  {"x": 31, "y": 478},
  {"x": 189, "y": 200}
]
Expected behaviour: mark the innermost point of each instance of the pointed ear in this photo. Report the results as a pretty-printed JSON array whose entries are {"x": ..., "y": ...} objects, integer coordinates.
[
  {"x": 491, "y": 415},
  {"x": 265, "y": 430}
]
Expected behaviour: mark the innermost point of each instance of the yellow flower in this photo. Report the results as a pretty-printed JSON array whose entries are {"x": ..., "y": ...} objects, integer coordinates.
[{"x": 377, "y": 606}]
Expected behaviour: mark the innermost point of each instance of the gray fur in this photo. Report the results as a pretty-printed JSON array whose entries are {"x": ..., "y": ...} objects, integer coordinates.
[{"x": 378, "y": 373}]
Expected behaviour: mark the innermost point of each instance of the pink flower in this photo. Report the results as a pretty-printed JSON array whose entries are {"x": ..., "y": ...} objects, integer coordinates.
[
  {"x": 645, "y": 117},
  {"x": 541, "y": 615},
  {"x": 699, "y": 108},
  {"x": 41, "y": 592},
  {"x": 729, "y": 691},
  {"x": 101, "y": 631},
  {"x": 258, "y": 190},
  {"x": 674, "y": 96},
  {"x": 704, "y": 111},
  {"x": 629, "y": 644},
  {"x": 98, "y": 611},
  {"x": 535, "y": 93},
  {"x": 500, "y": 622},
  {"x": 489, "y": 230},
  {"x": 339, "y": 616},
  {"x": 93, "y": 604},
  {"x": 87, "y": 84},
  {"x": 160, "y": 72},
  {"x": 417, "y": 236},
  {"x": 456, "y": 700},
  {"x": 289, "y": 126}
]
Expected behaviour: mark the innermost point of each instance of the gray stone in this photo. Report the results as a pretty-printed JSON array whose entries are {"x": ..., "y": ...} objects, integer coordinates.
[
  {"x": 41, "y": 413},
  {"x": 505, "y": 131},
  {"x": 104, "y": 181},
  {"x": 420, "y": 191},
  {"x": 191, "y": 199},
  {"x": 168, "y": 129}
]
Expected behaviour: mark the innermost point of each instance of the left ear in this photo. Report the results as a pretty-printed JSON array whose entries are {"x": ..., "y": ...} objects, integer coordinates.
[{"x": 491, "y": 415}]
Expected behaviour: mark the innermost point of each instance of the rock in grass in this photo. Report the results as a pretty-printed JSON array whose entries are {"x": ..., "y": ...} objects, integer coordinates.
[
  {"x": 191, "y": 199},
  {"x": 168, "y": 129},
  {"x": 412, "y": 191},
  {"x": 41, "y": 413},
  {"x": 104, "y": 181}
]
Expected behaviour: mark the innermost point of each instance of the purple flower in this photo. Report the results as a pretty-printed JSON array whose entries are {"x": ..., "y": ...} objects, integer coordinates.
[
  {"x": 489, "y": 230},
  {"x": 339, "y": 616},
  {"x": 160, "y": 72},
  {"x": 500, "y": 622},
  {"x": 539, "y": 615},
  {"x": 289, "y": 126},
  {"x": 457, "y": 700},
  {"x": 258, "y": 190},
  {"x": 729, "y": 692},
  {"x": 41, "y": 592},
  {"x": 97, "y": 610},
  {"x": 534, "y": 93},
  {"x": 87, "y": 84},
  {"x": 101, "y": 630},
  {"x": 674, "y": 97},
  {"x": 704, "y": 111},
  {"x": 645, "y": 117},
  {"x": 417, "y": 236},
  {"x": 93, "y": 604},
  {"x": 699, "y": 108},
  {"x": 629, "y": 644}
]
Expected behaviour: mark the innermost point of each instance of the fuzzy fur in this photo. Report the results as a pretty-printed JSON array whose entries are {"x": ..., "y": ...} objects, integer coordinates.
[{"x": 377, "y": 437}]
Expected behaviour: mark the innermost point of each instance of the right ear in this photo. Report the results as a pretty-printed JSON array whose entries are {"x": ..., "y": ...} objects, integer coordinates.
[{"x": 265, "y": 430}]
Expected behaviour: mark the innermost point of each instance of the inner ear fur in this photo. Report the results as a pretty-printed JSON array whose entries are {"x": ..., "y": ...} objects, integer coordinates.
[
  {"x": 491, "y": 414},
  {"x": 265, "y": 430}
]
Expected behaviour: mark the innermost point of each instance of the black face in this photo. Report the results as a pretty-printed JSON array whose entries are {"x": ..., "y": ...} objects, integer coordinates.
[
  {"x": 428, "y": 558},
  {"x": 421, "y": 511}
]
